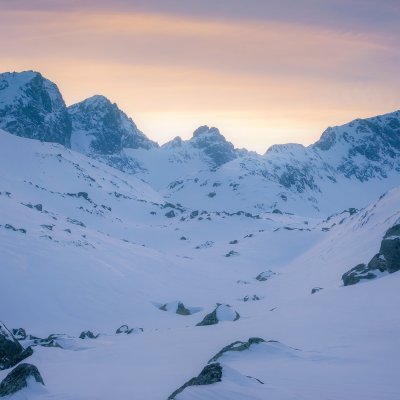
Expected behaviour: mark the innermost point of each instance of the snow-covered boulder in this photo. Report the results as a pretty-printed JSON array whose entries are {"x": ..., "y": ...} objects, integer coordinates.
[
  {"x": 223, "y": 312},
  {"x": 11, "y": 351},
  {"x": 127, "y": 331},
  {"x": 88, "y": 335},
  {"x": 210, "y": 374},
  {"x": 237, "y": 346},
  {"x": 390, "y": 248},
  {"x": 386, "y": 261},
  {"x": 177, "y": 307},
  {"x": 20, "y": 377},
  {"x": 264, "y": 276}
]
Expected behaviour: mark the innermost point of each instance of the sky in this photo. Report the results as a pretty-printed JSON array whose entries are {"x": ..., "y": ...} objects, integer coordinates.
[{"x": 262, "y": 71}]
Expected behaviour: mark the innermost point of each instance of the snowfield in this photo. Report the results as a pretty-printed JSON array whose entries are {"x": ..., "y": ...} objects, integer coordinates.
[{"x": 84, "y": 246}]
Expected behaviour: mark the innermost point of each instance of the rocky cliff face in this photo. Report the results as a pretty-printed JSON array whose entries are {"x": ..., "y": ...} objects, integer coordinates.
[
  {"x": 100, "y": 127},
  {"x": 364, "y": 148},
  {"x": 32, "y": 106},
  {"x": 214, "y": 145}
]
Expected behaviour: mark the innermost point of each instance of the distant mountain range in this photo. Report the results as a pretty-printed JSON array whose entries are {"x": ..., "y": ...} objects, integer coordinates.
[{"x": 360, "y": 158}]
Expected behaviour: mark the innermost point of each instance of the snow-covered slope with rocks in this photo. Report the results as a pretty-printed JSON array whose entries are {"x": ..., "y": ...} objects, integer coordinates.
[{"x": 93, "y": 249}]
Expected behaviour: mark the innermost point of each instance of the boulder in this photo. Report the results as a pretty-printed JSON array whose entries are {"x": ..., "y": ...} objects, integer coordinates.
[
  {"x": 390, "y": 248},
  {"x": 11, "y": 352},
  {"x": 264, "y": 276},
  {"x": 386, "y": 261},
  {"x": 19, "y": 378},
  {"x": 210, "y": 374},
  {"x": 237, "y": 346},
  {"x": 222, "y": 312},
  {"x": 316, "y": 289},
  {"x": 88, "y": 335},
  {"x": 126, "y": 330},
  {"x": 356, "y": 274},
  {"x": 19, "y": 333}
]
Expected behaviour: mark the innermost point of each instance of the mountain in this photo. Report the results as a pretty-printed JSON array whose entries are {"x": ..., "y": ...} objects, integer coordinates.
[
  {"x": 364, "y": 148},
  {"x": 360, "y": 158},
  {"x": 31, "y": 106},
  {"x": 100, "y": 127}
]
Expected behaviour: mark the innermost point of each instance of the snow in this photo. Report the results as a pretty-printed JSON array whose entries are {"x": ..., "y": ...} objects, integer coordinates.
[
  {"x": 126, "y": 258},
  {"x": 225, "y": 313}
]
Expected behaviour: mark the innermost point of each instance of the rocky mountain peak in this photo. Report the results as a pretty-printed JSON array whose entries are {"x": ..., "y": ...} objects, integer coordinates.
[
  {"x": 32, "y": 106},
  {"x": 176, "y": 142},
  {"x": 363, "y": 148},
  {"x": 100, "y": 127},
  {"x": 214, "y": 145}
]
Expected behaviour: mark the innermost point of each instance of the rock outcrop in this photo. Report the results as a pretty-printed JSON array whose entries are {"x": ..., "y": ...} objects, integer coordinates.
[{"x": 19, "y": 378}]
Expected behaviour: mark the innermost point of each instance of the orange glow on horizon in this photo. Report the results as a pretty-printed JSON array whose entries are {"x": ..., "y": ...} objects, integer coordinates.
[{"x": 259, "y": 83}]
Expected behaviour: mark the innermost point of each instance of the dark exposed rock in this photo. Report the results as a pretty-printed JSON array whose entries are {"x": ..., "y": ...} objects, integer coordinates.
[
  {"x": 264, "y": 276},
  {"x": 212, "y": 318},
  {"x": 209, "y": 319},
  {"x": 170, "y": 214},
  {"x": 12, "y": 228},
  {"x": 11, "y": 352},
  {"x": 387, "y": 260},
  {"x": 110, "y": 129},
  {"x": 231, "y": 253},
  {"x": 33, "y": 107},
  {"x": 88, "y": 335},
  {"x": 18, "y": 378},
  {"x": 19, "y": 333},
  {"x": 214, "y": 145},
  {"x": 50, "y": 341},
  {"x": 254, "y": 297},
  {"x": 362, "y": 271},
  {"x": 237, "y": 346},
  {"x": 126, "y": 330},
  {"x": 210, "y": 374},
  {"x": 316, "y": 289},
  {"x": 390, "y": 248},
  {"x": 182, "y": 310},
  {"x": 194, "y": 214}
]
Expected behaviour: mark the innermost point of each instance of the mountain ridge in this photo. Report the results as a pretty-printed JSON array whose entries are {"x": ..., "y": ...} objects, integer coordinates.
[{"x": 207, "y": 170}]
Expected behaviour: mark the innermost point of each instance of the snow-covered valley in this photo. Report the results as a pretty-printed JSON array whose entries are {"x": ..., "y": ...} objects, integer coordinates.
[{"x": 195, "y": 245}]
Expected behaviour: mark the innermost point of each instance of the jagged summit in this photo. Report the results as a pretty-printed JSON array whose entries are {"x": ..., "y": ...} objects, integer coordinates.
[
  {"x": 174, "y": 143},
  {"x": 386, "y": 126},
  {"x": 214, "y": 145},
  {"x": 206, "y": 130},
  {"x": 363, "y": 148},
  {"x": 99, "y": 126},
  {"x": 32, "y": 106}
]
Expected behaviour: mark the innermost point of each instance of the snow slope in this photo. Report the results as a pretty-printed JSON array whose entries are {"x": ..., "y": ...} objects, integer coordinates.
[{"x": 85, "y": 246}]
